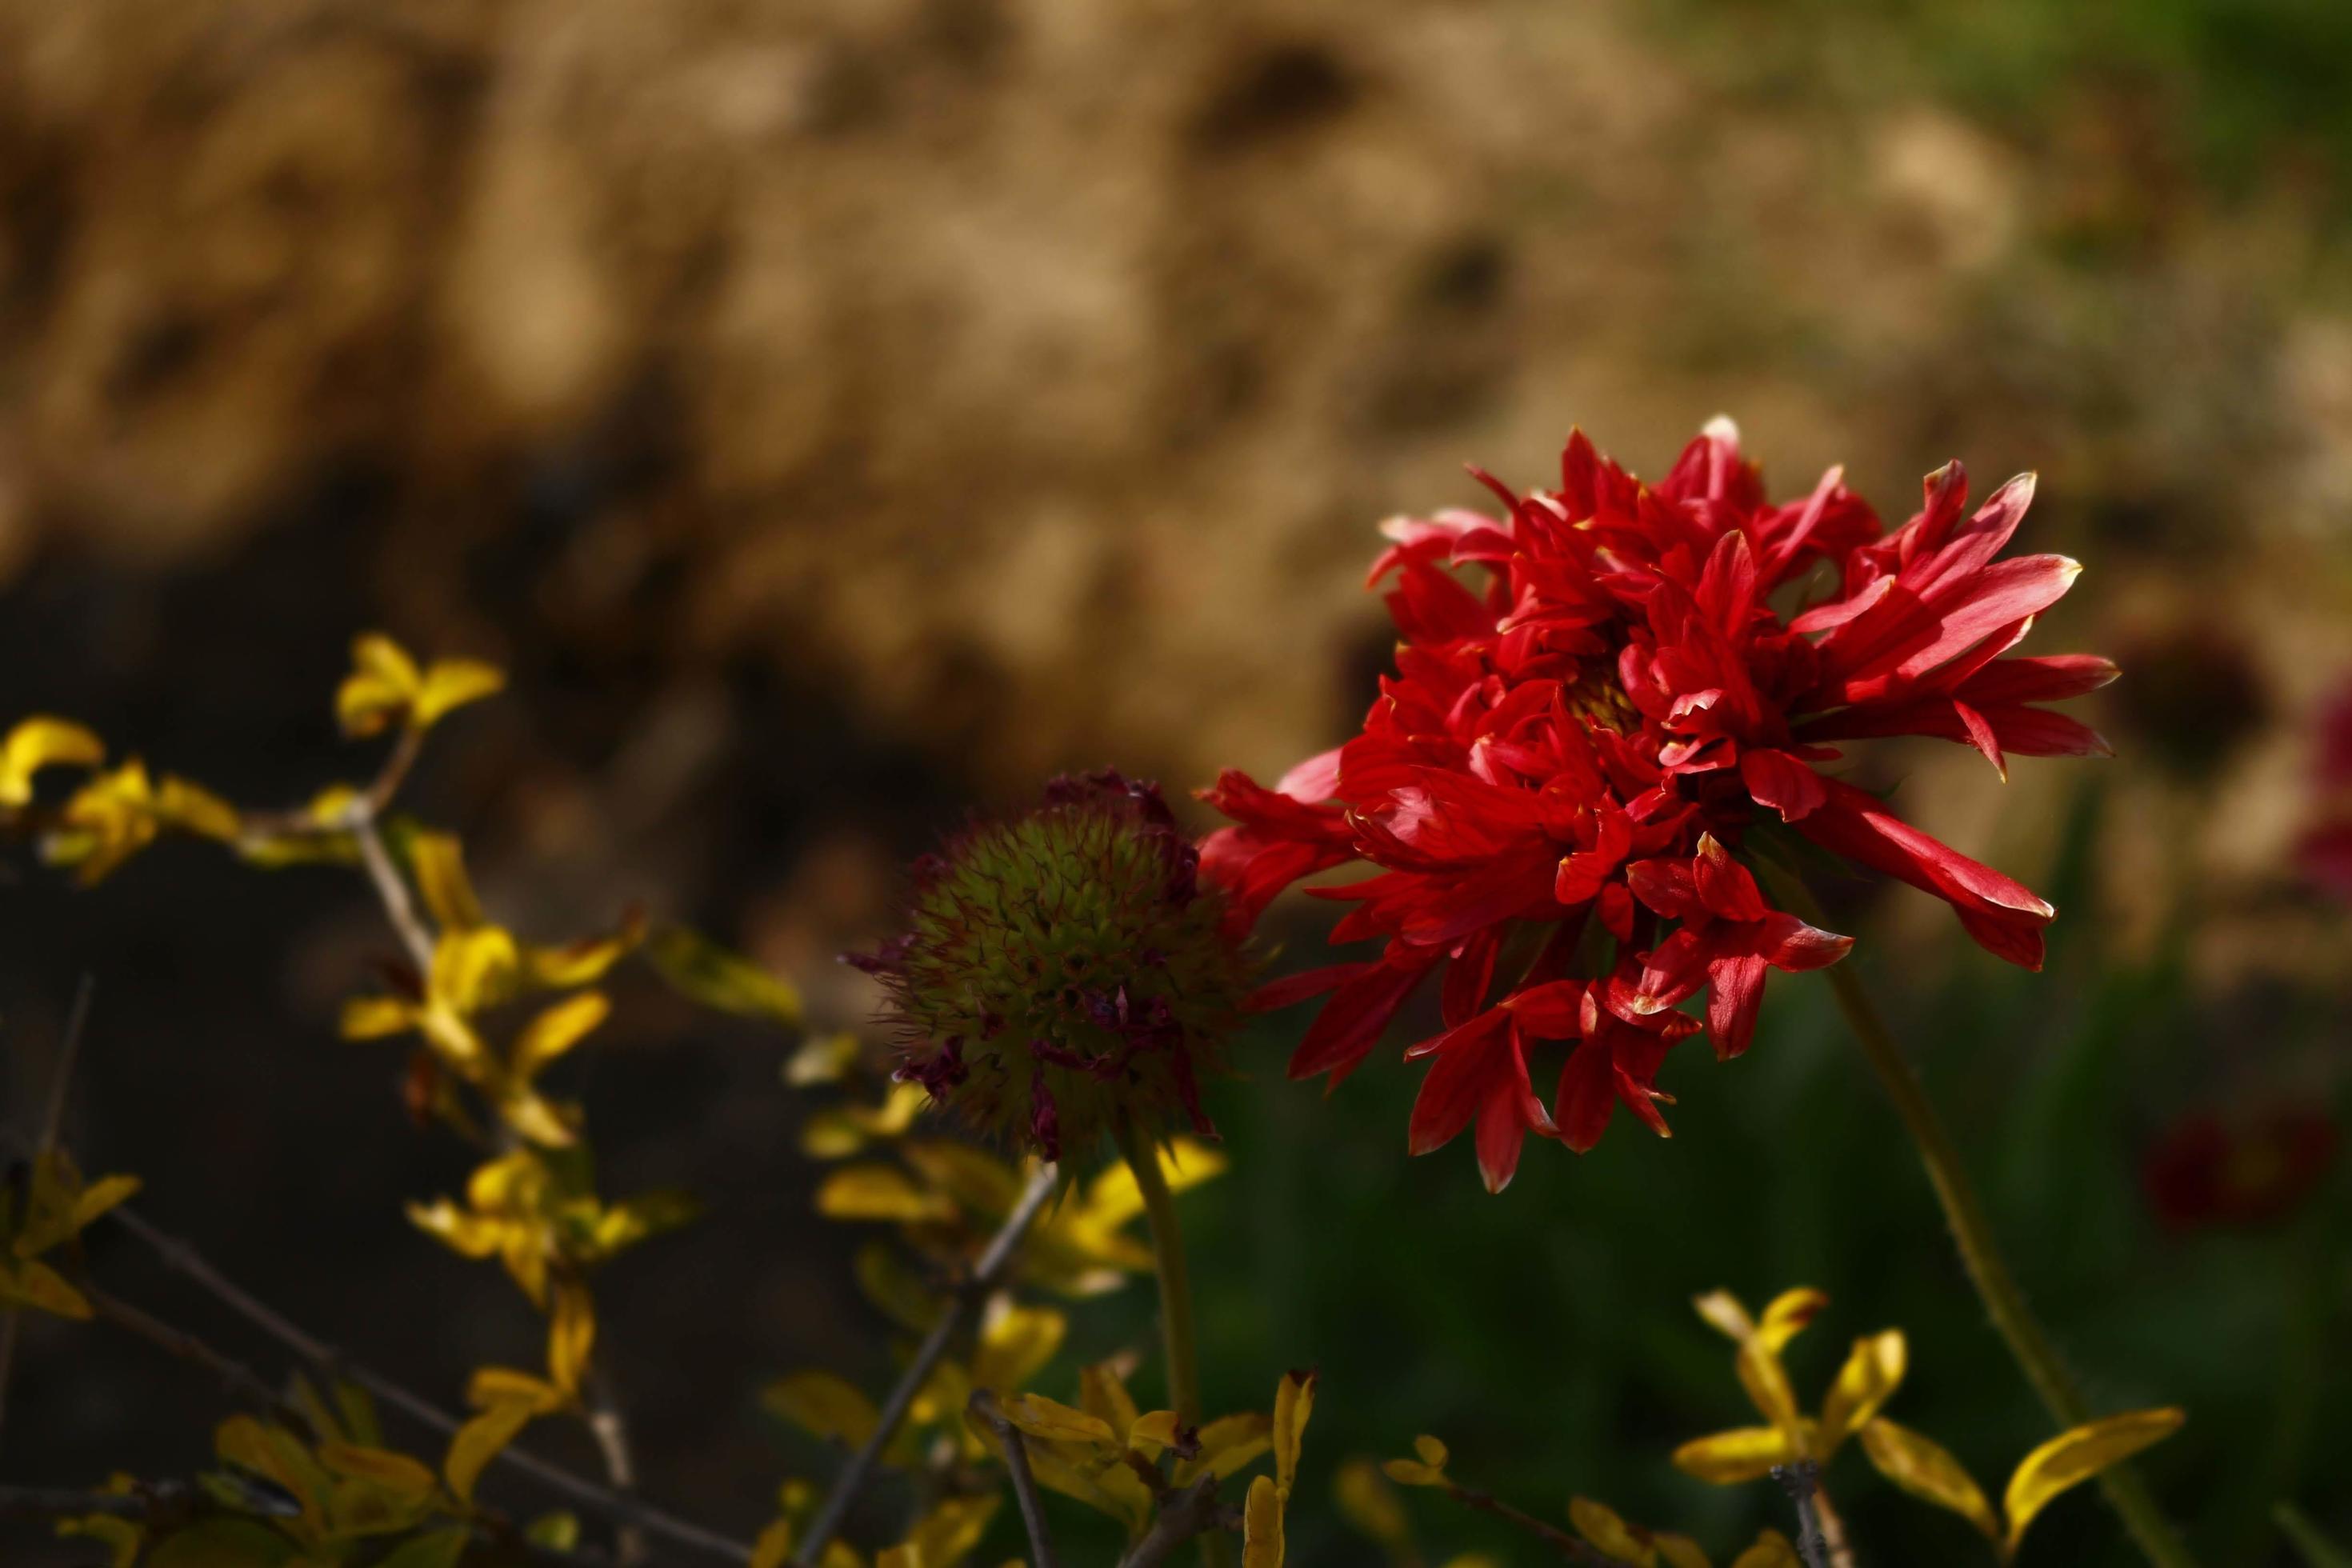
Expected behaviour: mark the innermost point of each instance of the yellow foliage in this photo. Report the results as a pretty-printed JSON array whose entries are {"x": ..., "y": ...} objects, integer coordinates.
[
  {"x": 2074, "y": 1457},
  {"x": 40, "y": 742}
]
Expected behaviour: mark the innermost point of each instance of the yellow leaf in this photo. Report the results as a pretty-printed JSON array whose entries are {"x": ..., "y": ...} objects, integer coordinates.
[
  {"x": 1787, "y": 1316},
  {"x": 557, "y": 1531},
  {"x": 879, "y": 1192},
  {"x": 120, "y": 1534},
  {"x": 1365, "y": 1501},
  {"x": 374, "y": 1017},
  {"x": 1038, "y": 1416},
  {"x": 972, "y": 1177},
  {"x": 631, "y": 1221},
  {"x": 1767, "y": 1383},
  {"x": 1742, "y": 1454},
  {"x": 475, "y": 1235},
  {"x": 1262, "y": 1525},
  {"x": 1113, "y": 1198},
  {"x": 570, "y": 1335},
  {"x": 438, "y": 861},
  {"x": 1922, "y": 1467},
  {"x": 2072, "y": 1457},
  {"x": 383, "y": 683},
  {"x": 824, "y": 1406},
  {"x": 1598, "y": 1523},
  {"x": 452, "y": 683},
  {"x": 774, "y": 1548},
  {"x": 1724, "y": 1312},
  {"x": 1871, "y": 1374},
  {"x": 1294, "y": 1402},
  {"x": 1771, "y": 1549},
  {"x": 33, "y": 1284},
  {"x": 100, "y": 1196},
  {"x": 1015, "y": 1342},
  {"x": 538, "y": 1121},
  {"x": 557, "y": 1030},
  {"x": 40, "y": 742},
  {"x": 397, "y": 1473},
  {"x": 473, "y": 969},
  {"x": 580, "y": 962},
  {"x": 821, "y": 1058},
  {"x": 195, "y": 809},
  {"x": 1412, "y": 1473},
  {"x": 495, "y": 1385},
  {"x": 1150, "y": 1433},
  {"x": 1103, "y": 1394},
  {"x": 1679, "y": 1550},
  {"x": 704, "y": 971},
  {"x": 895, "y": 1287},
  {"x": 1432, "y": 1452},
  {"x": 946, "y": 1535},
  {"x": 1227, "y": 1444},
  {"x": 478, "y": 1442}
]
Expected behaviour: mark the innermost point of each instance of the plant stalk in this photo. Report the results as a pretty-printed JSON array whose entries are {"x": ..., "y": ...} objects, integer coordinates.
[
  {"x": 1987, "y": 1268},
  {"x": 1176, "y": 1321}
]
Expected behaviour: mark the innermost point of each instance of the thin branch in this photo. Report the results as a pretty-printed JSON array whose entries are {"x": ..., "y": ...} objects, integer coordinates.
[
  {"x": 184, "y": 1260},
  {"x": 52, "y": 1124},
  {"x": 235, "y": 1376},
  {"x": 61, "y": 1083},
  {"x": 1820, "y": 1533},
  {"x": 992, "y": 1263},
  {"x": 63, "y": 1502},
  {"x": 1558, "y": 1540},
  {"x": 1024, "y": 1485},
  {"x": 391, "y": 888},
  {"x": 1187, "y": 1514}
]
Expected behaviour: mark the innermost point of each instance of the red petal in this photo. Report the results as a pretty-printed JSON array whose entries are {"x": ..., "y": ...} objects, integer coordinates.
[
  {"x": 1351, "y": 1022},
  {"x": 1724, "y": 884},
  {"x": 1779, "y": 781},
  {"x": 1587, "y": 1097},
  {"x": 1734, "y": 989},
  {"x": 2002, "y": 915}
]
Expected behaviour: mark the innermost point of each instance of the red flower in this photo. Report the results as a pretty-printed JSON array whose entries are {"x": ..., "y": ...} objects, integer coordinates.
[
  {"x": 2325, "y": 850},
  {"x": 1593, "y": 734},
  {"x": 2206, "y": 1172}
]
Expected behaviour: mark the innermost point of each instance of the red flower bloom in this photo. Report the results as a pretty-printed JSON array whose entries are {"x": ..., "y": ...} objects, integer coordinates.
[
  {"x": 2208, "y": 1172},
  {"x": 1595, "y": 732},
  {"x": 2325, "y": 850}
]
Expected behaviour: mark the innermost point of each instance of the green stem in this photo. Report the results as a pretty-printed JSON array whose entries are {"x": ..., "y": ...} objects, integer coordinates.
[
  {"x": 1175, "y": 1301},
  {"x": 1972, "y": 1232}
]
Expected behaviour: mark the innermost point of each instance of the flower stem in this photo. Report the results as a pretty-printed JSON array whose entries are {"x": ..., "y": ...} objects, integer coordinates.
[
  {"x": 1175, "y": 1301},
  {"x": 1988, "y": 1269}
]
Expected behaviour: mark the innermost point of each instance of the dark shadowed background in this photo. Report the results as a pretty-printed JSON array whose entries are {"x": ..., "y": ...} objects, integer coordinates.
[{"x": 839, "y": 414}]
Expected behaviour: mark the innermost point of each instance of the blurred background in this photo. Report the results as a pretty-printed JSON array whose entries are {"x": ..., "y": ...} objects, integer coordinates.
[{"x": 841, "y": 414}]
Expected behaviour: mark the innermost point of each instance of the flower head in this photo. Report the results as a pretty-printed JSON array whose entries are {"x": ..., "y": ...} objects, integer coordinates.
[
  {"x": 1065, "y": 970},
  {"x": 1590, "y": 744},
  {"x": 2325, "y": 850}
]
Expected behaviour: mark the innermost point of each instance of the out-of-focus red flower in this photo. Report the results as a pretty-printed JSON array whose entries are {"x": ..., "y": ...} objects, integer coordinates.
[
  {"x": 2325, "y": 849},
  {"x": 2206, "y": 1172},
  {"x": 1596, "y": 734}
]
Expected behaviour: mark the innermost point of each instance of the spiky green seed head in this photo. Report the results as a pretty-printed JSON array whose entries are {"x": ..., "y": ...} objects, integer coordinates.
[{"x": 1064, "y": 972}]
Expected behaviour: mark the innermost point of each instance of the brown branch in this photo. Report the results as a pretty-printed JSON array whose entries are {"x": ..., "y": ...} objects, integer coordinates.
[
  {"x": 983, "y": 1405},
  {"x": 621, "y": 1511},
  {"x": 992, "y": 1263},
  {"x": 236, "y": 1378},
  {"x": 1820, "y": 1533},
  {"x": 1558, "y": 1540},
  {"x": 390, "y": 889},
  {"x": 1186, "y": 1515}
]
